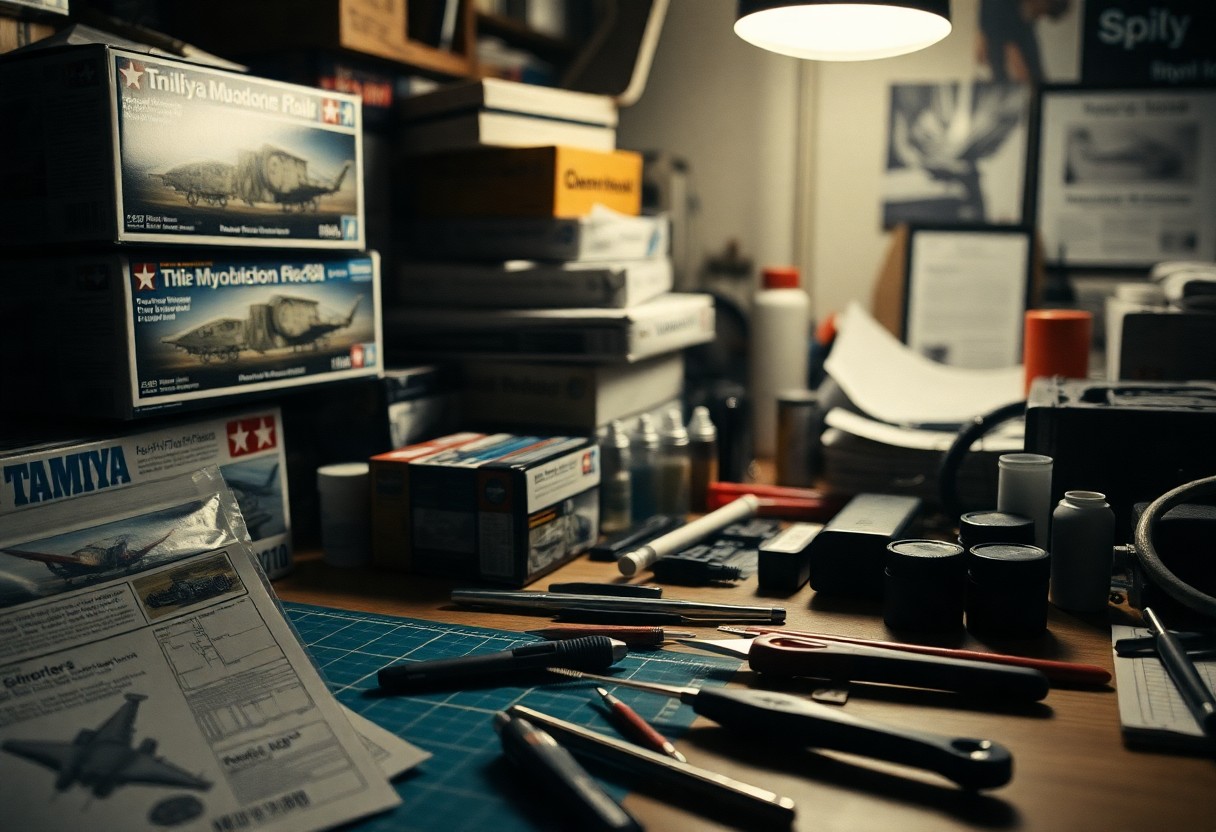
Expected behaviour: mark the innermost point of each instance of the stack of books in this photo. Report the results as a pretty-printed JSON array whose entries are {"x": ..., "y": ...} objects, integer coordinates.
[
  {"x": 503, "y": 113},
  {"x": 533, "y": 269}
]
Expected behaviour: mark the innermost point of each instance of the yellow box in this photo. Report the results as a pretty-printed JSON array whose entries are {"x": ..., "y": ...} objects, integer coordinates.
[{"x": 555, "y": 181}]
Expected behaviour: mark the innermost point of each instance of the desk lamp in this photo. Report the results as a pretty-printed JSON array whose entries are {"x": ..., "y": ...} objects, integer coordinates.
[{"x": 843, "y": 30}]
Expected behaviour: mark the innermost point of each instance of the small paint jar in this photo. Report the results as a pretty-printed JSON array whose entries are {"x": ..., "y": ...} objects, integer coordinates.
[
  {"x": 1007, "y": 590},
  {"x": 991, "y": 526},
  {"x": 925, "y": 582}
]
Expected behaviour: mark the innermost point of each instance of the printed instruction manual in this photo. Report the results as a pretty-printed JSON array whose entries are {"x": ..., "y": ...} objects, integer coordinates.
[{"x": 149, "y": 678}]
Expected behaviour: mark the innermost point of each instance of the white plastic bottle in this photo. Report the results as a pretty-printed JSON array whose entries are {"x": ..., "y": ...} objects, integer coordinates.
[
  {"x": 1082, "y": 551},
  {"x": 779, "y": 350},
  {"x": 1023, "y": 487}
]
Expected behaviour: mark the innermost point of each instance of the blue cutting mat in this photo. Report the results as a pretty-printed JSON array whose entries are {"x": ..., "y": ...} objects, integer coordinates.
[{"x": 468, "y": 783}]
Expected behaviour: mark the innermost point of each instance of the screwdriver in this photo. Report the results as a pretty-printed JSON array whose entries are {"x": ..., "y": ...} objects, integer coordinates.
[{"x": 971, "y": 763}]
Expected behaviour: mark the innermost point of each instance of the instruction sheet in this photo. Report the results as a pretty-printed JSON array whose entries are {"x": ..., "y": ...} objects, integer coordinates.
[{"x": 154, "y": 680}]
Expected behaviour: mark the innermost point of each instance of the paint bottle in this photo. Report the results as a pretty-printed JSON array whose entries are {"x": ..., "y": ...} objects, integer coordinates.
[
  {"x": 616, "y": 478},
  {"x": 1007, "y": 590},
  {"x": 1082, "y": 551},
  {"x": 674, "y": 464},
  {"x": 703, "y": 458},
  {"x": 644, "y": 469}
]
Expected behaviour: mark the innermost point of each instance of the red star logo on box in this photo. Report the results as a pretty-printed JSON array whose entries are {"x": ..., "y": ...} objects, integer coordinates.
[
  {"x": 250, "y": 436},
  {"x": 356, "y": 355},
  {"x": 145, "y": 277},
  {"x": 331, "y": 112}
]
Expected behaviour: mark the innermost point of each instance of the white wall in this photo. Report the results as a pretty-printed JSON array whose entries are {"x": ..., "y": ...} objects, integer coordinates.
[
  {"x": 732, "y": 111},
  {"x": 729, "y": 110}
]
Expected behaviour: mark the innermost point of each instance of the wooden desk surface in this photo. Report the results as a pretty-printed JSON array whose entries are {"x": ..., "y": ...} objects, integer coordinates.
[{"x": 1071, "y": 769}]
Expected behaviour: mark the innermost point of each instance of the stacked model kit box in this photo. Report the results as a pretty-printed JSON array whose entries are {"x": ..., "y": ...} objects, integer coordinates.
[
  {"x": 116, "y": 146},
  {"x": 247, "y": 446},
  {"x": 126, "y": 335},
  {"x": 502, "y": 508}
]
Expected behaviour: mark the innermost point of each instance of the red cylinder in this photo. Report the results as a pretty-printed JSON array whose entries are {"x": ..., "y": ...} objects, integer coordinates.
[{"x": 1056, "y": 343}]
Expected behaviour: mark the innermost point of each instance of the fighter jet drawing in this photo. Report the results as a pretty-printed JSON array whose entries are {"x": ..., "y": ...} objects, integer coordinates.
[
  {"x": 105, "y": 759},
  {"x": 100, "y": 556},
  {"x": 283, "y": 321}
]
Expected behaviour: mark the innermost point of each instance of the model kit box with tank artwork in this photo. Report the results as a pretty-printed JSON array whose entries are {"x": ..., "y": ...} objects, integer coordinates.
[
  {"x": 117, "y": 335},
  {"x": 246, "y": 444},
  {"x": 119, "y": 146}
]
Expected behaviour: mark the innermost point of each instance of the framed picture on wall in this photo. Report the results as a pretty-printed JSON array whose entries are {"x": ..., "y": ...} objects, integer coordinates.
[
  {"x": 956, "y": 153},
  {"x": 1125, "y": 178},
  {"x": 966, "y": 293}
]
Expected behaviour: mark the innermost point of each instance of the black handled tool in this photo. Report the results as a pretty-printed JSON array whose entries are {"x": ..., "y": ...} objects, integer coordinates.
[
  {"x": 971, "y": 763},
  {"x": 590, "y": 652}
]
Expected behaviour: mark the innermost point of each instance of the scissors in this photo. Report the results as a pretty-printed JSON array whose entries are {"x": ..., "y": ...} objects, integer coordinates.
[{"x": 791, "y": 655}]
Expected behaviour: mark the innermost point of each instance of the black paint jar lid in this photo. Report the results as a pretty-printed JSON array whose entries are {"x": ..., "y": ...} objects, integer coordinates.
[
  {"x": 1008, "y": 562},
  {"x": 924, "y": 558},
  {"x": 977, "y": 527}
]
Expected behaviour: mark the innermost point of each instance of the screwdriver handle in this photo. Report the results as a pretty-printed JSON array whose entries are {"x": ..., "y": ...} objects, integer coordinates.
[{"x": 971, "y": 763}]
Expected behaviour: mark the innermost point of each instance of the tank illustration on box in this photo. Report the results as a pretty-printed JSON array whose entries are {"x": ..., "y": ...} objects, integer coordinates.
[
  {"x": 283, "y": 321},
  {"x": 184, "y": 591},
  {"x": 270, "y": 174}
]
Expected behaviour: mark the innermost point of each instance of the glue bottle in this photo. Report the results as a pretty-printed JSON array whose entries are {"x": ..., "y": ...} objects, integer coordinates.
[{"x": 779, "y": 354}]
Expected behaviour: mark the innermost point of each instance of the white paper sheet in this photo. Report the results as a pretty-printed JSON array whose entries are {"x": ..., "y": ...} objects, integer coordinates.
[{"x": 892, "y": 383}]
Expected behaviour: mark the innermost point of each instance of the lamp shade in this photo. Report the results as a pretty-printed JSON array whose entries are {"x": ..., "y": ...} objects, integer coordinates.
[{"x": 843, "y": 30}]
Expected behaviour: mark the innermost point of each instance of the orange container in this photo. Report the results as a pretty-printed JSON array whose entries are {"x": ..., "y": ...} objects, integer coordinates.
[{"x": 1056, "y": 343}]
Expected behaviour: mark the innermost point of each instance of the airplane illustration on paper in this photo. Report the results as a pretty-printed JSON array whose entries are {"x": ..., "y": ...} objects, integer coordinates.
[
  {"x": 103, "y": 555},
  {"x": 105, "y": 759}
]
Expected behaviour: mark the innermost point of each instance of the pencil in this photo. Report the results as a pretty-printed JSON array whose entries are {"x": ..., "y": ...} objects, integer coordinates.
[
  {"x": 638, "y": 729},
  {"x": 1191, "y": 687}
]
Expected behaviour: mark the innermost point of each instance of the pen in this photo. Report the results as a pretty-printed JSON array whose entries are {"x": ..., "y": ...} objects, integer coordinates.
[
  {"x": 632, "y": 725},
  {"x": 642, "y": 557},
  {"x": 554, "y": 770},
  {"x": 634, "y": 636},
  {"x": 587, "y": 652},
  {"x": 1191, "y": 687},
  {"x": 712, "y": 791},
  {"x": 701, "y": 610}
]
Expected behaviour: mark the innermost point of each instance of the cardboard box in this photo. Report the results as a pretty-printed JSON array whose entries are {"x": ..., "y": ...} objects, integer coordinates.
[
  {"x": 549, "y": 181},
  {"x": 247, "y": 445},
  {"x": 503, "y": 508},
  {"x": 120, "y": 146},
  {"x": 121, "y": 336}
]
